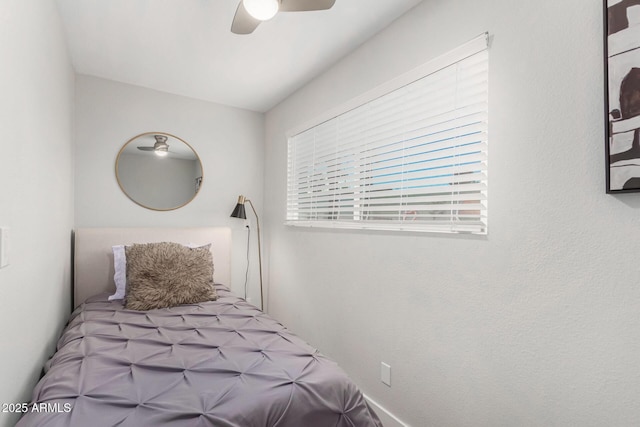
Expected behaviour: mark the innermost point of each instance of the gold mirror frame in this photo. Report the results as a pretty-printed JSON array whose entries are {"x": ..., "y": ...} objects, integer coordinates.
[{"x": 197, "y": 183}]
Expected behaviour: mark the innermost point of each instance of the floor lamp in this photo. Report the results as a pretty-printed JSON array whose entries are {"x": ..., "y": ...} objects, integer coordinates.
[{"x": 239, "y": 212}]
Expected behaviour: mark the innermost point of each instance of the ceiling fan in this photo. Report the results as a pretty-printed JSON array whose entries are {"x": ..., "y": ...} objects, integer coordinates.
[
  {"x": 251, "y": 13},
  {"x": 161, "y": 148}
]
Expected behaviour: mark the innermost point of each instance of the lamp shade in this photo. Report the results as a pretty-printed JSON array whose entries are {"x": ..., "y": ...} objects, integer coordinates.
[
  {"x": 238, "y": 211},
  {"x": 262, "y": 10}
]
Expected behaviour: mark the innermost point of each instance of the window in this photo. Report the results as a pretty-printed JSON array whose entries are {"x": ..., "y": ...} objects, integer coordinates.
[{"x": 410, "y": 155}]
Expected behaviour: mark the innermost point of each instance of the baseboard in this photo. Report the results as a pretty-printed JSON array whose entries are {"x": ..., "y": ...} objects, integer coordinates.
[{"x": 387, "y": 418}]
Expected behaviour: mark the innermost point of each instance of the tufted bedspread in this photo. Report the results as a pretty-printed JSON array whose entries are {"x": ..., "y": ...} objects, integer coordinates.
[{"x": 221, "y": 363}]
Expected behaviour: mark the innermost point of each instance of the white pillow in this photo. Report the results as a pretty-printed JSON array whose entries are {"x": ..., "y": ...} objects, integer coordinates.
[{"x": 120, "y": 268}]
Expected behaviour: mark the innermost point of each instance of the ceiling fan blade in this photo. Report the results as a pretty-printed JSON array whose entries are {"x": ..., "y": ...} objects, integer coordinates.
[
  {"x": 146, "y": 148},
  {"x": 243, "y": 23},
  {"x": 305, "y": 5}
]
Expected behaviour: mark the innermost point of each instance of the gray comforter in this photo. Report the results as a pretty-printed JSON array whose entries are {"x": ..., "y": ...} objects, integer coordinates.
[{"x": 221, "y": 363}]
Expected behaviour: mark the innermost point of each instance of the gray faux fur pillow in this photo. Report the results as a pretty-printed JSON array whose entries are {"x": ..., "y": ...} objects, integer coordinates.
[{"x": 168, "y": 274}]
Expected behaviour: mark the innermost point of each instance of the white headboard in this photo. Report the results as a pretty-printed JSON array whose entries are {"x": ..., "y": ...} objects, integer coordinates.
[{"x": 93, "y": 257}]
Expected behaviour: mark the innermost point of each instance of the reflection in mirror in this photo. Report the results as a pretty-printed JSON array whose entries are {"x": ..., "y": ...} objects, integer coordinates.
[{"x": 159, "y": 171}]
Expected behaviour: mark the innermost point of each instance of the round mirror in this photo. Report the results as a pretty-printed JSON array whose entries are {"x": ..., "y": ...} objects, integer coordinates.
[{"x": 159, "y": 171}]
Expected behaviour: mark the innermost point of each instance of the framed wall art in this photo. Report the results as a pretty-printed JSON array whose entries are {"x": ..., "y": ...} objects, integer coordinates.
[{"x": 622, "y": 94}]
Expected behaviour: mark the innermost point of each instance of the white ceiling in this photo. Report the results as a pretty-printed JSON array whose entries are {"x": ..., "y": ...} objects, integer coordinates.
[{"x": 186, "y": 47}]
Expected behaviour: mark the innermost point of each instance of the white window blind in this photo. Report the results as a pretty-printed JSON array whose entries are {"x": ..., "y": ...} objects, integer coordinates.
[{"x": 410, "y": 155}]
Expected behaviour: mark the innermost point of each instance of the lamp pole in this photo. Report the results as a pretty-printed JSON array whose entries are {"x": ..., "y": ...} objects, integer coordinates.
[
  {"x": 239, "y": 212},
  {"x": 259, "y": 253}
]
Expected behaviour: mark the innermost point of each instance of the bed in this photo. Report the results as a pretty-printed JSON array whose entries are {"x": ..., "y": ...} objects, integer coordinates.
[{"x": 220, "y": 363}]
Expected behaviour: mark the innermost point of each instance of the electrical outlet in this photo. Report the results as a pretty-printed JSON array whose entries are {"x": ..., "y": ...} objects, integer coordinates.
[
  {"x": 385, "y": 373},
  {"x": 4, "y": 247}
]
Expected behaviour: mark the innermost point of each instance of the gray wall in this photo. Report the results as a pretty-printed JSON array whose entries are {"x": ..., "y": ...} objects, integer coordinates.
[
  {"x": 536, "y": 324},
  {"x": 228, "y": 140},
  {"x": 36, "y": 191}
]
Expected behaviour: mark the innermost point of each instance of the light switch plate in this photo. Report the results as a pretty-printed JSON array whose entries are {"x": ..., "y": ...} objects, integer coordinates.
[{"x": 4, "y": 247}]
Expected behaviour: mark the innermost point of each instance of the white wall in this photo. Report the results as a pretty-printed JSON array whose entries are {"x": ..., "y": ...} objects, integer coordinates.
[
  {"x": 228, "y": 140},
  {"x": 36, "y": 191},
  {"x": 536, "y": 324}
]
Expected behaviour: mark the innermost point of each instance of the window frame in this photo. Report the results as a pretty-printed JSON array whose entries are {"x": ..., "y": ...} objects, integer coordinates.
[{"x": 473, "y": 47}]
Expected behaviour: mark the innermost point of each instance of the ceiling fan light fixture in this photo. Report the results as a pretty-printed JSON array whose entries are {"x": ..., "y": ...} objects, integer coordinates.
[
  {"x": 262, "y": 10},
  {"x": 161, "y": 153}
]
